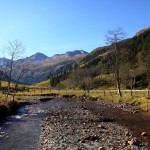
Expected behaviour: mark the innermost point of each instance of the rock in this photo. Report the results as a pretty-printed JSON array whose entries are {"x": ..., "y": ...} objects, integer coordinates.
[
  {"x": 105, "y": 119},
  {"x": 124, "y": 143},
  {"x": 80, "y": 128},
  {"x": 101, "y": 148},
  {"x": 146, "y": 110},
  {"x": 101, "y": 126},
  {"x": 134, "y": 142},
  {"x": 46, "y": 119},
  {"x": 127, "y": 133},
  {"x": 45, "y": 141},
  {"x": 144, "y": 134},
  {"x": 65, "y": 125},
  {"x": 81, "y": 140},
  {"x": 135, "y": 111},
  {"x": 92, "y": 138}
]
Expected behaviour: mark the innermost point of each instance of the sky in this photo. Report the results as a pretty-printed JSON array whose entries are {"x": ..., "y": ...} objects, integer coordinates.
[{"x": 57, "y": 26}]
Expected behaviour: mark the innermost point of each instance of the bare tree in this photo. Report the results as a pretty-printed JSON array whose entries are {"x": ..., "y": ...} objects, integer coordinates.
[
  {"x": 82, "y": 78},
  {"x": 10, "y": 67},
  {"x": 22, "y": 68},
  {"x": 114, "y": 38}
]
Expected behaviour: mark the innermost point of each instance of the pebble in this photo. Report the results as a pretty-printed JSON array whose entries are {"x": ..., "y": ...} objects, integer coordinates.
[
  {"x": 134, "y": 142},
  {"x": 101, "y": 148},
  {"x": 79, "y": 128},
  {"x": 144, "y": 134}
]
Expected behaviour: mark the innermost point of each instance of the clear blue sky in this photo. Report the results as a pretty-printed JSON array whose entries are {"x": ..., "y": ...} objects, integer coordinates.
[{"x": 57, "y": 26}]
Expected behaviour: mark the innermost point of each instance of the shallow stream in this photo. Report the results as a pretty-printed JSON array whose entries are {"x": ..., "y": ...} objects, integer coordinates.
[{"x": 22, "y": 131}]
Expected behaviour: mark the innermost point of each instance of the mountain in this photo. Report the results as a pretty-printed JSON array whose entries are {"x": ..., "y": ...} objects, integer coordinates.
[
  {"x": 42, "y": 66},
  {"x": 41, "y": 59},
  {"x": 69, "y": 54},
  {"x": 3, "y": 61},
  {"x": 75, "y": 53},
  {"x": 38, "y": 57},
  {"x": 142, "y": 31}
]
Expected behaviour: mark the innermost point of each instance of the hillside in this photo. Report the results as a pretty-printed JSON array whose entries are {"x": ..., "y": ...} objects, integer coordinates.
[
  {"x": 98, "y": 67},
  {"x": 142, "y": 31}
]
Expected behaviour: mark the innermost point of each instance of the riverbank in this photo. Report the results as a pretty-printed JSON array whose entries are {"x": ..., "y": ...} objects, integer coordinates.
[
  {"x": 84, "y": 121},
  {"x": 33, "y": 97},
  {"x": 9, "y": 109},
  {"x": 131, "y": 107},
  {"x": 141, "y": 99},
  {"x": 81, "y": 128}
]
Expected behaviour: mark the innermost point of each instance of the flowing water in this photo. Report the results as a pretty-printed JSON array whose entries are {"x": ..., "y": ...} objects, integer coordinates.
[{"x": 22, "y": 131}]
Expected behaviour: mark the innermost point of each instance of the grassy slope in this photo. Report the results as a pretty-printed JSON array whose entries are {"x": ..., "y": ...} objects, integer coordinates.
[
  {"x": 45, "y": 83},
  {"x": 93, "y": 60}
]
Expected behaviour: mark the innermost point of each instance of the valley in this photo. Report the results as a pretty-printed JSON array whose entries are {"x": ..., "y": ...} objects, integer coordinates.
[
  {"x": 74, "y": 75},
  {"x": 57, "y": 93}
]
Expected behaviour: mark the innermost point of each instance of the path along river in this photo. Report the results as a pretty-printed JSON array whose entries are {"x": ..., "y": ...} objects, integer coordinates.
[{"x": 22, "y": 131}]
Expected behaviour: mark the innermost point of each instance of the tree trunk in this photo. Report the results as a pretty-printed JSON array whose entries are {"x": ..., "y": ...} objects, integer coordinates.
[
  {"x": 7, "y": 93},
  {"x": 0, "y": 84},
  {"x": 13, "y": 95},
  {"x": 148, "y": 80},
  {"x": 117, "y": 76},
  {"x": 16, "y": 87},
  {"x": 8, "y": 87},
  {"x": 134, "y": 80},
  {"x": 131, "y": 86},
  {"x": 118, "y": 88},
  {"x": 8, "y": 90},
  {"x": 88, "y": 92}
]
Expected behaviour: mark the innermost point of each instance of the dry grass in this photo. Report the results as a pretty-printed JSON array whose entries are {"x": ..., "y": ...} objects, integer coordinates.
[
  {"x": 4, "y": 84},
  {"x": 140, "y": 98},
  {"x": 45, "y": 83},
  {"x": 4, "y": 100}
]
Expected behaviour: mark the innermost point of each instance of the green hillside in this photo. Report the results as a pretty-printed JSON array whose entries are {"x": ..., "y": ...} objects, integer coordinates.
[{"x": 97, "y": 67}]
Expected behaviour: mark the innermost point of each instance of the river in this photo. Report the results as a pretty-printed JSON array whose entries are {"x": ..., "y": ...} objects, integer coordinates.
[{"x": 22, "y": 131}]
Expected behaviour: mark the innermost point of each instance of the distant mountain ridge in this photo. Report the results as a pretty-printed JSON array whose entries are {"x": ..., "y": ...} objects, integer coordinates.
[
  {"x": 42, "y": 66},
  {"x": 142, "y": 31},
  {"x": 40, "y": 57},
  {"x": 76, "y": 52}
]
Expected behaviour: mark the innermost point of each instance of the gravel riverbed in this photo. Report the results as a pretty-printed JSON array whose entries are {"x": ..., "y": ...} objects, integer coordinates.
[{"x": 79, "y": 128}]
